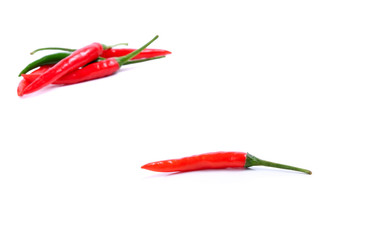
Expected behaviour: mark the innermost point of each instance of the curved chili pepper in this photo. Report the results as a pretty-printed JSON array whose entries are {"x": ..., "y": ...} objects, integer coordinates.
[
  {"x": 42, "y": 69},
  {"x": 92, "y": 71},
  {"x": 22, "y": 85},
  {"x": 76, "y": 60},
  {"x": 117, "y": 52},
  {"x": 49, "y": 59},
  {"x": 35, "y": 74},
  {"x": 98, "y": 69},
  {"x": 216, "y": 160}
]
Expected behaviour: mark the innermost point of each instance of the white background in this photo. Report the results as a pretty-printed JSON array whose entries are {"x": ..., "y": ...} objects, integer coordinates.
[{"x": 287, "y": 81}]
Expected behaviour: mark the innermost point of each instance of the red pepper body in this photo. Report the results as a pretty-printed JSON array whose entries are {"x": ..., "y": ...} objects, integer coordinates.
[
  {"x": 24, "y": 83},
  {"x": 29, "y": 78},
  {"x": 42, "y": 69},
  {"x": 92, "y": 71},
  {"x": 76, "y": 60},
  {"x": 146, "y": 53},
  {"x": 198, "y": 162}
]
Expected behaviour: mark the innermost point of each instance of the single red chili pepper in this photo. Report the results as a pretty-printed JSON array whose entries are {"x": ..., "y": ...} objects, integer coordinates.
[
  {"x": 215, "y": 160},
  {"x": 98, "y": 69}
]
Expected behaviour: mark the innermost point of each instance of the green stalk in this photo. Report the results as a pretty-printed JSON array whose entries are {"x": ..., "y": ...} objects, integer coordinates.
[
  {"x": 71, "y": 49},
  {"x": 111, "y": 46},
  {"x": 124, "y": 59},
  {"x": 53, "y": 48},
  {"x": 49, "y": 59},
  {"x": 142, "y": 60},
  {"x": 254, "y": 161}
]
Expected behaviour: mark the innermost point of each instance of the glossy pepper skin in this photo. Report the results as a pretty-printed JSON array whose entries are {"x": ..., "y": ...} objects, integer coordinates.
[
  {"x": 102, "y": 68},
  {"x": 90, "y": 72},
  {"x": 49, "y": 59},
  {"x": 95, "y": 70},
  {"x": 76, "y": 60},
  {"x": 216, "y": 160},
  {"x": 199, "y": 162},
  {"x": 29, "y": 78}
]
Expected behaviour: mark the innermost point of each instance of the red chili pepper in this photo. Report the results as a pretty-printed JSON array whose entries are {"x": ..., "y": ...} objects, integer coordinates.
[
  {"x": 42, "y": 69},
  {"x": 96, "y": 70},
  {"x": 91, "y": 71},
  {"x": 23, "y": 84},
  {"x": 29, "y": 78},
  {"x": 76, "y": 60},
  {"x": 215, "y": 160},
  {"x": 146, "y": 53}
]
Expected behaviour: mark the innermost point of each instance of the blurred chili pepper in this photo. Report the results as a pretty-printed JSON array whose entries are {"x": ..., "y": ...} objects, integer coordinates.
[
  {"x": 77, "y": 59},
  {"x": 215, "y": 160},
  {"x": 98, "y": 69},
  {"x": 26, "y": 80}
]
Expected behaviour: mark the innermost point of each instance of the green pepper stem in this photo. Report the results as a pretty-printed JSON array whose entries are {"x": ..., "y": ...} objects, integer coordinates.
[
  {"x": 72, "y": 50},
  {"x": 53, "y": 48},
  {"x": 254, "y": 161},
  {"x": 111, "y": 46},
  {"x": 142, "y": 60},
  {"x": 124, "y": 59},
  {"x": 48, "y": 59}
]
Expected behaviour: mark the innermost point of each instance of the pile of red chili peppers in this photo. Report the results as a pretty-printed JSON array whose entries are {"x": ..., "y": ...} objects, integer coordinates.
[{"x": 78, "y": 65}]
